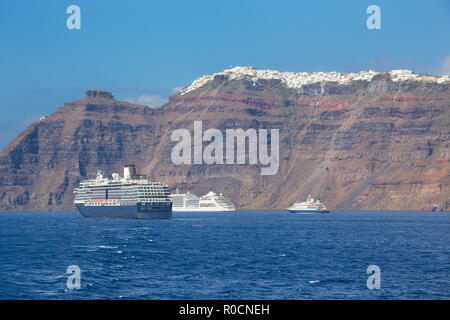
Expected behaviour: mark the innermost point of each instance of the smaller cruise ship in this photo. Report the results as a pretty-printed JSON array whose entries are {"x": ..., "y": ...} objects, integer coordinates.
[
  {"x": 189, "y": 202},
  {"x": 308, "y": 206}
]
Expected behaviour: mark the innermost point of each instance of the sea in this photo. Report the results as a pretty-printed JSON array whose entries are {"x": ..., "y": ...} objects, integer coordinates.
[{"x": 235, "y": 255}]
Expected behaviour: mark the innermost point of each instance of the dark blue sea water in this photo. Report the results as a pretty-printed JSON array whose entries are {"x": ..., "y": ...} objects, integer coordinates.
[{"x": 242, "y": 255}]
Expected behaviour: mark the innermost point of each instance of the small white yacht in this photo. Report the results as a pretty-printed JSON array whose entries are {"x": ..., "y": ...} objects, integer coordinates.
[{"x": 308, "y": 206}]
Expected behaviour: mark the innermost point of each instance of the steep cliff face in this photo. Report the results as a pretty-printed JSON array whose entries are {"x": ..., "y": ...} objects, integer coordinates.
[{"x": 363, "y": 141}]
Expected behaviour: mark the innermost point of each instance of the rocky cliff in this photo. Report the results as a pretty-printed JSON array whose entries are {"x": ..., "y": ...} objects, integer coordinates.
[{"x": 358, "y": 141}]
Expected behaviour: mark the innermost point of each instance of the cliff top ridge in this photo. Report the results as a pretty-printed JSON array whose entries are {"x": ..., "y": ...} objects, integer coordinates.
[{"x": 297, "y": 80}]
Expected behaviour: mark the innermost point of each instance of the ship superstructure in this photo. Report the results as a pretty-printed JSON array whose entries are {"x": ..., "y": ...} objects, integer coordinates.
[{"x": 130, "y": 197}]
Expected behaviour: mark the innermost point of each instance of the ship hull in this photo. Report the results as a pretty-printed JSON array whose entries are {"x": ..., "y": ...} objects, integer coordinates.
[
  {"x": 136, "y": 211},
  {"x": 308, "y": 211},
  {"x": 183, "y": 209}
]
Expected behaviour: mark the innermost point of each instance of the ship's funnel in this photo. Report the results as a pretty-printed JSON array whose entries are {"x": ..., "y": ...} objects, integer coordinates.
[{"x": 129, "y": 172}]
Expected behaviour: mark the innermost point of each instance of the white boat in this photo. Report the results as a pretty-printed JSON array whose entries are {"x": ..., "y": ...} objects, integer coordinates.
[
  {"x": 130, "y": 197},
  {"x": 308, "y": 206},
  {"x": 189, "y": 202}
]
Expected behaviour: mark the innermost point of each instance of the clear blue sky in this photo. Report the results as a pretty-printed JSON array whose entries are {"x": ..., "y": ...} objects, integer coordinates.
[{"x": 147, "y": 48}]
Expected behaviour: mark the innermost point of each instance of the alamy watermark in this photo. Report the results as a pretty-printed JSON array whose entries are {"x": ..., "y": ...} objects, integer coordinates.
[
  {"x": 374, "y": 280},
  {"x": 74, "y": 280},
  {"x": 213, "y": 153},
  {"x": 74, "y": 20},
  {"x": 374, "y": 20}
]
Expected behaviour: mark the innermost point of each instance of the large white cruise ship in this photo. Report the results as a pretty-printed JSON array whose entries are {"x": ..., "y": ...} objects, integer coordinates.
[
  {"x": 130, "y": 197},
  {"x": 308, "y": 206},
  {"x": 189, "y": 202}
]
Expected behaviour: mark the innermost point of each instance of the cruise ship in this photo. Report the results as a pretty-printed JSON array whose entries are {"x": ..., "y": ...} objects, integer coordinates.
[
  {"x": 189, "y": 202},
  {"x": 130, "y": 197},
  {"x": 308, "y": 206}
]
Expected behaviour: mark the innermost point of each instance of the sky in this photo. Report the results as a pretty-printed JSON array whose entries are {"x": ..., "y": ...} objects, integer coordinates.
[{"x": 144, "y": 51}]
